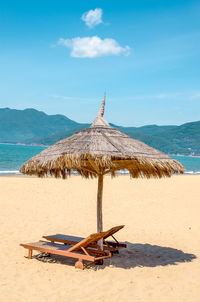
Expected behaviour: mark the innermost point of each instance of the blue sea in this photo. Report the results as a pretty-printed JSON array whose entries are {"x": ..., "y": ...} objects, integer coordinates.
[{"x": 13, "y": 156}]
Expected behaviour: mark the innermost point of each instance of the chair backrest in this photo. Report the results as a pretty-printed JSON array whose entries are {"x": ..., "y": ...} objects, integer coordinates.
[
  {"x": 93, "y": 238},
  {"x": 112, "y": 231}
]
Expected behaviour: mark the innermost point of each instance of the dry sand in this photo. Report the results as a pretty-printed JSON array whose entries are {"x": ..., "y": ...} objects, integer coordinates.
[{"x": 162, "y": 230}]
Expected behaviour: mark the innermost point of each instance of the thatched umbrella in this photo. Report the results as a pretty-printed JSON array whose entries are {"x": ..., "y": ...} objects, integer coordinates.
[{"x": 99, "y": 150}]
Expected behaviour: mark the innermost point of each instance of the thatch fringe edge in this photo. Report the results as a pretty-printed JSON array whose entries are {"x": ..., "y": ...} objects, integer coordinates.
[{"x": 137, "y": 166}]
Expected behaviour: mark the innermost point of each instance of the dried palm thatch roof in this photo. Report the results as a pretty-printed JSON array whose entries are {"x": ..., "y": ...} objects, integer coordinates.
[{"x": 98, "y": 150}]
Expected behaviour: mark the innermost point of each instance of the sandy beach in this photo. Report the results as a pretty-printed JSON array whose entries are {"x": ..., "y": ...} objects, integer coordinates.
[{"x": 162, "y": 231}]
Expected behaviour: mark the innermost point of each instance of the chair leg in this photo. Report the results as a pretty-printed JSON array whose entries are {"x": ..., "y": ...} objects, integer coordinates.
[
  {"x": 115, "y": 252},
  {"x": 30, "y": 253},
  {"x": 79, "y": 264},
  {"x": 99, "y": 262}
]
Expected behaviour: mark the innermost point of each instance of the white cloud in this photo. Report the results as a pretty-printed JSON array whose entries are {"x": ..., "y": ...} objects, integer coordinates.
[
  {"x": 195, "y": 96},
  {"x": 92, "y": 17},
  {"x": 69, "y": 98},
  {"x": 161, "y": 96},
  {"x": 62, "y": 97},
  {"x": 92, "y": 47}
]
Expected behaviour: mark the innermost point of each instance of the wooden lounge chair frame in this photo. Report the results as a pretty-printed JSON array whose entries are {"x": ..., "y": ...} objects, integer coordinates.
[
  {"x": 81, "y": 250},
  {"x": 112, "y": 246}
]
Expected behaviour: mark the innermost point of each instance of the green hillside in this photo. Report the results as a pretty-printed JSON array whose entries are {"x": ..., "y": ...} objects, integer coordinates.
[
  {"x": 186, "y": 136},
  {"x": 52, "y": 139},
  {"x": 163, "y": 138},
  {"x": 148, "y": 129},
  {"x": 20, "y": 125},
  {"x": 30, "y": 126}
]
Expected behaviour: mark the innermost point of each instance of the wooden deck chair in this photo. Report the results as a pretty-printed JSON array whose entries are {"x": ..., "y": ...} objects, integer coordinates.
[
  {"x": 112, "y": 246},
  {"x": 82, "y": 250},
  {"x": 115, "y": 244}
]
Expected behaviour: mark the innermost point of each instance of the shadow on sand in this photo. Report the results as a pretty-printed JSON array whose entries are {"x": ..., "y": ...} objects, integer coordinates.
[
  {"x": 136, "y": 254},
  {"x": 148, "y": 255}
]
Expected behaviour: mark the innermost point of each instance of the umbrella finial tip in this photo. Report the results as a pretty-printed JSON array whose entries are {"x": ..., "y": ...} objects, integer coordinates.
[{"x": 101, "y": 110}]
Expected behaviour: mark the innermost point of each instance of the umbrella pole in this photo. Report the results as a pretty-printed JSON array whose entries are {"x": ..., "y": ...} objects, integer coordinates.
[{"x": 99, "y": 206}]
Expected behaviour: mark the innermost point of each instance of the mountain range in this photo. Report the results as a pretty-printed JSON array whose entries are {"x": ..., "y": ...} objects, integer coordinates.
[{"x": 30, "y": 126}]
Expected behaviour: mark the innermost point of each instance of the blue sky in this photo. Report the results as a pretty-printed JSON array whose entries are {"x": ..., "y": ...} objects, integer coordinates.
[{"x": 60, "y": 57}]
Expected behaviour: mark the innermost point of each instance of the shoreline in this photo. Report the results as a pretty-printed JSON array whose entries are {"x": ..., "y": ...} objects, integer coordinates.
[
  {"x": 107, "y": 175},
  {"x": 17, "y": 173}
]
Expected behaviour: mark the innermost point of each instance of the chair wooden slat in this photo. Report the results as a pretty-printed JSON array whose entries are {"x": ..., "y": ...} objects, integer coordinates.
[
  {"x": 112, "y": 246},
  {"x": 81, "y": 250}
]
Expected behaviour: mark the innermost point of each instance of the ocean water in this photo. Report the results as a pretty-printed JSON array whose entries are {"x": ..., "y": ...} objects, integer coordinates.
[
  {"x": 13, "y": 156},
  {"x": 191, "y": 164}
]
